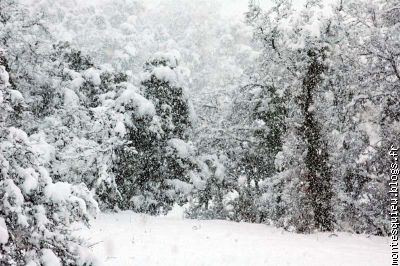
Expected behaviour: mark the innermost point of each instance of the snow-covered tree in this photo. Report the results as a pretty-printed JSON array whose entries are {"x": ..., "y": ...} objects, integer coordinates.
[
  {"x": 369, "y": 119},
  {"x": 334, "y": 67},
  {"x": 294, "y": 65},
  {"x": 86, "y": 124},
  {"x": 154, "y": 167}
]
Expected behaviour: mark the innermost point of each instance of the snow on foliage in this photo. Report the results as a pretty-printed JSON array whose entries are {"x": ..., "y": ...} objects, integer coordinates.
[
  {"x": 58, "y": 192},
  {"x": 131, "y": 99},
  {"x": 48, "y": 258},
  {"x": 70, "y": 98},
  {"x": 34, "y": 226},
  {"x": 31, "y": 202},
  {"x": 92, "y": 75},
  {"x": 165, "y": 73},
  {"x": 3, "y": 231},
  {"x": 4, "y": 77},
  {"x": 185, "y": 150}
]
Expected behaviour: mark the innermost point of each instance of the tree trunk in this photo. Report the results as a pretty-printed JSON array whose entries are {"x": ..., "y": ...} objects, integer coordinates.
[{"x": 317, "y": 170}]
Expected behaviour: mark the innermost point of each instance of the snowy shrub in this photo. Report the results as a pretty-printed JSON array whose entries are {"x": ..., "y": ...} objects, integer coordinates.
[
  {"x": 214, "y": 195},
  {"x": 35, "y": 211},
  {"x": 86, "y": 123}
]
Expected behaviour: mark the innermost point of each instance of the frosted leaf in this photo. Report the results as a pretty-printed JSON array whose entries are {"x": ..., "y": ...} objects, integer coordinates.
[
  {"x": 16, "y": 97},
  {"x": 373, "y": 132},
  {"x": 23, "y": 220},
  {"x": 197, "y": 181},
  {"x": 242, "y": 180},
  {"x": 14, "y": 196},
  {"x": 77, "y": 83},
  {"x": 44, "y": 150},
  {"x": 229, "y": 198},
  {"x": 30, "y": 179},
  {"x": 40, "y": 217},
  {"x": 184, "y": 149},
  {"x": 120, "y": 128},
  {"x": 171, "y": 58},
  {"x": 180, "y": 186},
  {"x": 18, "y": 135},
  {"x": 280, "y": 161},
  {"x": 93, "y": 75},
  {"x": 58, "y": 192},
  {"x": 165, "y": 74},
  {"x": 70, "y": 98},
  {"x": 131, "y": 50},
  {"x": 48, "y": 258},
  {"x": 3, "y": 231},
  {"x": 44, "y": 175},
  {"x": 130, "y": 98},
  {"x": 4, "y": 77}
]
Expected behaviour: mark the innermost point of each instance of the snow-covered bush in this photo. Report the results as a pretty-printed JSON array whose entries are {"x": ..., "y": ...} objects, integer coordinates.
[
  {"x": 35, "y": 211},
  {"x": 211, "y": 189},
  {"x": 86, "y": 124}
]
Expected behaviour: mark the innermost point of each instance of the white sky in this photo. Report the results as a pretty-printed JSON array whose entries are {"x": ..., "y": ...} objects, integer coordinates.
[{"x": 238, "y": 7}]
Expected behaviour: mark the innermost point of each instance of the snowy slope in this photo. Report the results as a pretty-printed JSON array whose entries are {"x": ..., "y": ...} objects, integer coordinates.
[{"x": 127, "y": 239}]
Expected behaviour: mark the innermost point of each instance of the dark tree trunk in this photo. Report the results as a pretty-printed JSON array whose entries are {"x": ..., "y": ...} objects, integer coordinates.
[{"x": 317, "y": 175}]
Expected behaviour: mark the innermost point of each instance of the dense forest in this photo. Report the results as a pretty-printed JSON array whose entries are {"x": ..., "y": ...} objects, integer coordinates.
[{"x": 292, "y": 130}]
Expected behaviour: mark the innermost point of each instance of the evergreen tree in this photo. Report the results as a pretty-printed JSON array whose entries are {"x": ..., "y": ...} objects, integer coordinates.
[{"x": 154, "y": 167}]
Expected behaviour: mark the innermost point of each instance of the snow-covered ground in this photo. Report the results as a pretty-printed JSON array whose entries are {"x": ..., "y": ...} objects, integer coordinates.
[{"x": 127, "y": 239}]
